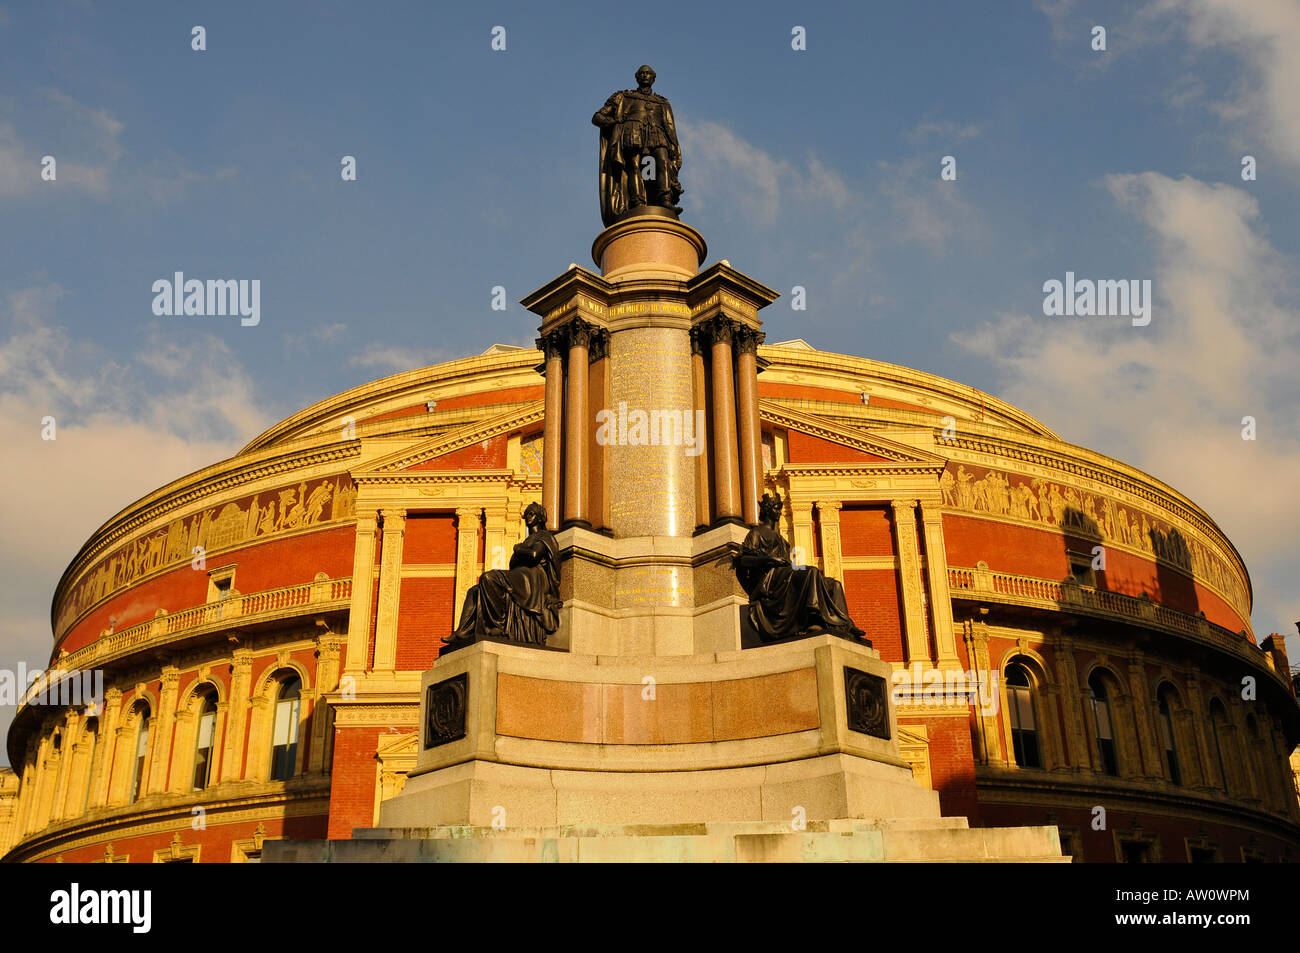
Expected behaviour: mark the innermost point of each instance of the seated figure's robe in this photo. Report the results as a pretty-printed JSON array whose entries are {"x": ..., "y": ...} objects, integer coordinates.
[
  {"x": 786, "y": 602},
  {"x": 520, "y": 603}
]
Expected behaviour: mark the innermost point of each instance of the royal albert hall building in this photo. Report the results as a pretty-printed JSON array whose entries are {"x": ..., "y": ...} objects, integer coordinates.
[{"x": 262, "y": 624}]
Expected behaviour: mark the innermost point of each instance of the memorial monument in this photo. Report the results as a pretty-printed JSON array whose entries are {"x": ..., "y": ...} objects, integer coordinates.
[{"x": 654, "y": 677}]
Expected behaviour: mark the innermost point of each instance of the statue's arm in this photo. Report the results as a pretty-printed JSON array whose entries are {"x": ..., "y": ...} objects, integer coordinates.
[{"x": 607, "y": 115}]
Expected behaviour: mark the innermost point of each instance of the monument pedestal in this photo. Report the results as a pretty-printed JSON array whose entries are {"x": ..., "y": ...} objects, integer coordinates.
[
  {"x": 781, "y": 753},
  {"x": 646, "y": 732}
]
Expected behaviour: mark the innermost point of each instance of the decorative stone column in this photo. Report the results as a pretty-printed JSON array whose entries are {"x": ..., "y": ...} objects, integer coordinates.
[
  {"x": 801, "y": 521},
  {"x": 103, "y": 761},
  {"x": 363, "y": 570},
  {"x": 726, "y": 475},
  {"x": 1200, "y": 718},
  {"x": 936, "y": 567},
  {"x": 987, "y": 738},
  {"x": 750, "y": 442},
  {"x": 328, "y": 645},
  {"x": 232, "y": 753},
  {"x": 1074, "y": 706},
  {"x": 467, "y": 567},
  {"x": 390, "y": 589},
  {"x": 909, "y": 568},
  {"x": 67, "y": 764},
  {"x": 552, "y": 435},
  {"x": 160, "y": 734},
  {"x": 577, "y": 424},
  {"x": 1149, "y": 759},
  {"x": 700, "y": 389},
  {"x": 828, "y": 514},
  {"x": 597, "y": 452}
]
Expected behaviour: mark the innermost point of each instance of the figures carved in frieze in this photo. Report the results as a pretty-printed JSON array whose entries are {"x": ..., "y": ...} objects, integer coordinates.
[
  {"x": 1072, "y": 510},
  {"x": 788, "y": 601},
  {"x": 294, "y": 507},
  {"x": 519, "y": 604}
]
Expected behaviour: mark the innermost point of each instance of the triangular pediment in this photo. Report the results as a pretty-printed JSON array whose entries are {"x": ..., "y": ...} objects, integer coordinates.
[
  {"x": 854, "y": 447},
  {"x": 421, "y": 454}
]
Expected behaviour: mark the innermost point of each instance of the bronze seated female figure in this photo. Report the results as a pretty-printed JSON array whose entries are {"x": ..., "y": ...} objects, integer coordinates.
[
  {"x": 519, "y": 604},
  {"x": 785, "y": 601}
]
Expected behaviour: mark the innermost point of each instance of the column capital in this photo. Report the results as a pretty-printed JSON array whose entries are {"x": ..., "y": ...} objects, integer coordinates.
[
  {"x": 394, "y": 519},
  {"x": 598, "y": 348},
  {"x": 579, "y": 333},
  {"x": 830, "y": 508},
  {"x": 904, "y": 509},
  {"x": 747, "y": 339}
]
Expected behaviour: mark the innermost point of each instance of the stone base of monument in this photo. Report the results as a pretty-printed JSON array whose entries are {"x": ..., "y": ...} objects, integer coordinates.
[
  {"x": 785, "y": 752},
  {"x": 913, "y": 840}
]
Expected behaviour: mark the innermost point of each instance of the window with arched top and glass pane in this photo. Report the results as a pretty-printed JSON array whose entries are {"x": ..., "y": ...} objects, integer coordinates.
[
  {"x": 204, "y": 741},
  {"x": 1167, "y": 702},
  {"x": 1103, "y": 723},
  {"x": 140, "y": 769},
  {"x": 1024, "y": 722},
  {"x": 284, "y": 738}
]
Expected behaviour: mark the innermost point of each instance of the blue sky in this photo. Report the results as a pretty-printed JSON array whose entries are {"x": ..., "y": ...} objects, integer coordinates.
[{"x": 477, "y": 168}]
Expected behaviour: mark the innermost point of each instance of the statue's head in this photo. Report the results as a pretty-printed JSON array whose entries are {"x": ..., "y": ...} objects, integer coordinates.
[
  {"x": 770, "y": 506},
  {"x": 645, "y": 76},
  {"x": 535, "y": 515}
]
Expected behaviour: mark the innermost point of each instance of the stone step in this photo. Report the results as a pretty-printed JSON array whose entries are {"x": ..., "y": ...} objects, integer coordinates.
[{"x": 857, "y": 841}]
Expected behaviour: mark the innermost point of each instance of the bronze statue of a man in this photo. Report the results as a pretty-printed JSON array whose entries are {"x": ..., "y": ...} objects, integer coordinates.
[
  {"x": 639, "y": 154},
  {"x": 519, "y": 604},
  {"x": 786, "y": 602}
]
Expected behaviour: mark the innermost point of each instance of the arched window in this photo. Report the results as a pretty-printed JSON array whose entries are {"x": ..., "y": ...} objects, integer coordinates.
[
  {"x": 1102, "y": 721},
  {"x": 140, "y": 770},
  {"x": 1024, "y": 724},
  {"x": 204, "y": 739},
  {"x": 284, "y": 739},
  {"x": 1219, "y": 724},
  {"x": 1167, "y": 702}
]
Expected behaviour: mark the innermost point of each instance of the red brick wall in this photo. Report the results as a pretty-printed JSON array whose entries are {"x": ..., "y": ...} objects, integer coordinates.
[
  {"x": 429, "y": 538},
  {"x": 804, "y": 448},
  {"x": 352, "y": 789},
  {"x": 952, "y": 763},
  {"x": 876, "y": 606},
  {"x": 485, "y": 455},
  {"x": 803, "y": 392},
  {"x": 866, "y": 530},
  {"x": 426, "y": 618},
  {"x": 1042, "y": 552}
]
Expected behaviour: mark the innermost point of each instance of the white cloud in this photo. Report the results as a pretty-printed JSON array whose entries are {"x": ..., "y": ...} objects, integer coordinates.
[
  {"x": 734, "y": 173},
  {"x": 1169, "y": 398},
  {"x": 391, "y": 358},
  {"x": 1266, "y": 33},
  {"x": 122, "y": 431}
]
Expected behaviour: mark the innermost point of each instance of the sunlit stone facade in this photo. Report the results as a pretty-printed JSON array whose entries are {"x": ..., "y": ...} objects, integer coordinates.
[{"x": 262, "y": 624}]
